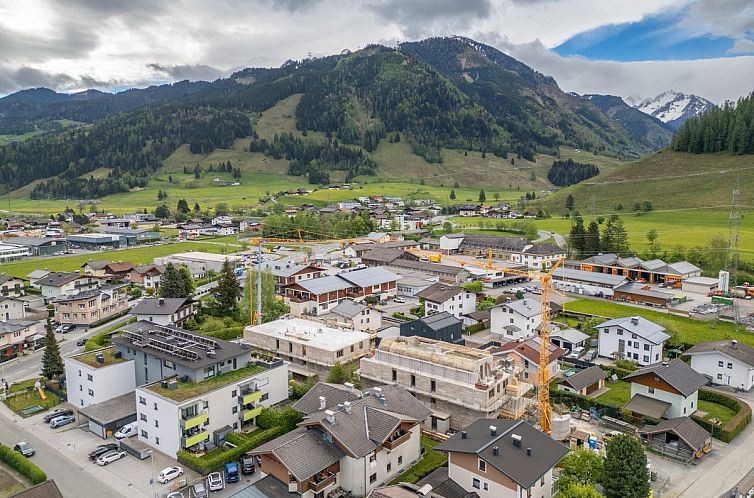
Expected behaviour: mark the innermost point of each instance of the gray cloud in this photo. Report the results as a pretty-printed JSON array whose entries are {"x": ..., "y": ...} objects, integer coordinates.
[
  {"x": 291, "y": 5},
  {"x": 421, "y": 17},
  {"x": 71, "y": 41},
  {"x": 742, "y": 46},
  {"x": 733, "y": 18},
  {"x": 191, "y": 72},
  {"x": 12, "y": 80}
]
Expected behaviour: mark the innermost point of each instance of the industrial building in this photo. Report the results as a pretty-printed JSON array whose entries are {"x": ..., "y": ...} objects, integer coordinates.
[
  {"x": 95, "y": 241},
  {"x": 39, "y": 246},
  {"x": 586, "y": 282},
  {"x": 654, "y": 271}
]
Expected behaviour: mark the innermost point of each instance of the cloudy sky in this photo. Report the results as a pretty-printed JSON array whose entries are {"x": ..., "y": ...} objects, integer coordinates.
[{"x": 621, "y": 47}]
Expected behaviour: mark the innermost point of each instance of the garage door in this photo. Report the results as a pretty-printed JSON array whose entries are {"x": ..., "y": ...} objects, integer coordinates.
[{"x": 97, "y": 429}]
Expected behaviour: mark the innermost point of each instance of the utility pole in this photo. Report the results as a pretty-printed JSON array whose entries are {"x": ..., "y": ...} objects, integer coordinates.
[
  {"x": 731, "y": 256},
  {"x": 259, "y": 285}
]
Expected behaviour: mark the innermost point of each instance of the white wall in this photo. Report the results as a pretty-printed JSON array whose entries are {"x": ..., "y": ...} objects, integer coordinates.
[
  {"x": 465, "y": 478},
  {"x": 680, "y": 406},
  {"x": 609, "y": 338},
  {"x": 740, "y": 375},
  {"x": 460, "y": 304},
  {"x": 107, "y": 382},
  {"x": 501, "y": 316}
]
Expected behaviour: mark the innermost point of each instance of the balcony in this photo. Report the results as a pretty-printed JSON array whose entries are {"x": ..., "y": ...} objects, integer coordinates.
[
  {"x": 247, "y": 415},
  {"x": 321, "y": 481},
  {"x": 197, "y": 438},
  {"x": 396, "y": 439},
  {"x": 252, "y": 397},
  {"x": 189, "y": 422}
]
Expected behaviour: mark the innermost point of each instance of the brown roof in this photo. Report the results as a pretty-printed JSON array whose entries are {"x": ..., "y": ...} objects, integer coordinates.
[
  {"x": 120, "y": 267},
  {"x": 689, "y": 431},
  {"x": 529, "y": 349},
  {"x": 439, "y": 293},
  {"x": 47, "y": 489}
]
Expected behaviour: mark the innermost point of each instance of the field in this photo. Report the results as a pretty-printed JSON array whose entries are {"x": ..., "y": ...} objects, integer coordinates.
[
  {"x": 137, "y": 255},
  {"x": 682, "y": 329}
]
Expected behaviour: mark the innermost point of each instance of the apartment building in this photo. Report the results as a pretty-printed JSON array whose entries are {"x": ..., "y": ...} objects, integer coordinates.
[
  {"x": 290, "y": 273},
  {"x": 352, "y": 315},
  {"x": 91, "y": 306},
  {"x": 176, "y": 414},
  {"x": 525, "y": 354},
  {"x": 11, "y": 286},
  {"x": 58, "y": 283},
  {"x": 497, "y": 458},
  {"x": 97, "y": 376},
  {"x": 311, "y": 348},
  {"x": 357, "y": 445},
  {"x": 449, "y": 298},
  {"x": 516, "y": 320},
  {"x": 16, "y": 335},
  {"x": 633, "y": 338},
  {"x": 459, "y": 384},
  {"x": 149, "y": 275}
]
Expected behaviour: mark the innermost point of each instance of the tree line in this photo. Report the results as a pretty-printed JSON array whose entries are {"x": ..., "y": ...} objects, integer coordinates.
[
  {"x": 729, "y": 128},
  {"x": 338, "y": 225},
  {"x": 594, "y": 239},
  {"x": 569, "y": 172}
]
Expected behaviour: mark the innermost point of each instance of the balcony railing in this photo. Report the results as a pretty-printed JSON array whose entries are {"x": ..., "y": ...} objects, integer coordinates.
[
  {"x": 319, "y": 482},
  {"x": 252, "y": 397},
  {"x": 197, "y": 438},
  {"x": 247, "y": 415},
  {"x": 194, "y": 420},
  {"x": 396, "y": 440}
]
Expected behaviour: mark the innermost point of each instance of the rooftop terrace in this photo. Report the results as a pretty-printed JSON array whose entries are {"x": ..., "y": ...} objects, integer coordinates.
[
  {"x": 188, "y": 390},
  {"x": 108, "y": 356}
]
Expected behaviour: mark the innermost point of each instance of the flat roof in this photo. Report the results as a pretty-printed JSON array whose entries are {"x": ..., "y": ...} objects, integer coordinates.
[
  {"x": 203, "y": 256},
  {"x": 108, "y": 355},
  {"x": 112, "y": 410},
  {"x": 189, "y": 390},
  {"x": 308, "y": 333}
]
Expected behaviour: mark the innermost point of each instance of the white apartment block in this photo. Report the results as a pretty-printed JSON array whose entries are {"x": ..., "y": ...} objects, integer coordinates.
[
  {"x": 97, "y": 376},
  {"x": 633, "y": 338},
  {"x": 516, "y": 320},
  {"x": 441, "y": 297}
]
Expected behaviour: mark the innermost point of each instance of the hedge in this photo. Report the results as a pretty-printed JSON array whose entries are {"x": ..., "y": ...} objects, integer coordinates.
[
  {"x": 206, "y": 464},
  {"x": 735, "y": 425},
  {"x": 473, "y": 329},
  {"x": 23, "y": 465}
]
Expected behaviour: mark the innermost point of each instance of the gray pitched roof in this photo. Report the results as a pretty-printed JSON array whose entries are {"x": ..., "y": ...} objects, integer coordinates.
[
  {"x": 689, "y": 431},
  {"x": 528, "y": 307},
  {"x": 439, "y": 292},
  {"x": 440, "y": 320},
  {"x": 334, "y": 395},
  {"x": 676, "y": 373},
  {"x": 585, "y": 378},
  {"x": 734, "y": 349},
  {"x": 571, "y": 335},
  {"x": 38, "y": 273},
  {"x": 159, "y": 306},
  {"x": 510, "y": 244},
  {"x": 303, "y": 451},
  {"x": 47, "y": 489},
  {"x": 348, "y": 308},
  {"x": 644, "y": 405},
  {"x": 546, "y": 249},
  {"x": 511, "y": 460},
  {"x": 638, "y": 289},
  {"x": 58, "y": 278},
  {"x": 96, "y": 265},
  {"x": 640, "y": 326},
  {"x": 369, "y": 276},
  {"x": 588, "y": 276},
  {"x": 383, "y": 255}
]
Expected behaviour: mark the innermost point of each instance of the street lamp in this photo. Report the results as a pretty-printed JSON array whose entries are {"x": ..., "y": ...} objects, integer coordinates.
[{"x": 151, "y": 475}]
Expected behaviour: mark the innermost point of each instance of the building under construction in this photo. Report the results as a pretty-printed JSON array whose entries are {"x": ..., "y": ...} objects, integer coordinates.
[{"x": 460, "y": 384}]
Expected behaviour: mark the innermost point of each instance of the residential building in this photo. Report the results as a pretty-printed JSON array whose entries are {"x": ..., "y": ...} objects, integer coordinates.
[
  {"x": 525, "y": 355},
  {"x": 290, "y": 273},
  {"x": 568, "y": 338},
  {"x": 352, "y": 315},
  {"x": 112, "y": 270},
  {"x": 148, "y": 275},
  {"x": 96, "y": 376},
  {"x": 727, "y": 362},
  {"x": 458, "y": 383},
  {"x": 413, "y": 282},
  {"x": 17, "y": 335},
  {"x": 35, "y": 276},
  {"x": 11, "y": 286},
  {"x": 318, "y": 295},
  {"x": 449, "y": 274},
  {"x": 586, "y": 282},
  {"x": 357, "y": 446},
  {"x": 585, "y": 382},
  {"x": 539, "y": 256},
  {"x": 311, "y": 348},
  {"x": 189, "y": 231},
  {"x": 165, "y": 310},
  {"x": 39, "y": 246},
  {"x": 468, "y": 209},
  {"x": 174, "y": 414},
  {"x": 10, "y": 253},
  {"x": 652, "y": 271},
  {"x": 448, "y": 298},
  {"x": 632, "y": 337},
  {"x": 59, "y": 283},
  {"x": 12, "y": 308},
  {"x": 516, "y": 319},
  {"x": 199, "y": 263},
  {"x": 91, "y": 307},
  {"x": 499, "y": 458},
  {"x": 665, "y": 390},
  {"x": 439, "y": 326}
]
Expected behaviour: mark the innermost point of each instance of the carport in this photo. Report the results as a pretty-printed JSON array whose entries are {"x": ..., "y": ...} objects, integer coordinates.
[{"x": 107, "y": 417}]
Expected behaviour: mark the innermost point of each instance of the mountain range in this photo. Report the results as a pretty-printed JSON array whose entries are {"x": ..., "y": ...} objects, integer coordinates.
[{"x": 672, "y": 108}]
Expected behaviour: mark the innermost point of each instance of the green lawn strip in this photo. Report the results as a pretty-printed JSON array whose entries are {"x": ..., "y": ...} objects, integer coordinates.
[
  {"x": 683, "y": 330},
  {"x": 23, "y": 385},
  {"x": 430, "y": 461},
  {"x": 188, "y": 390},
  {"x": 618, "y": 395},
  {"x": 714, "y": 410},
  {"x": 25, "y": 400}
]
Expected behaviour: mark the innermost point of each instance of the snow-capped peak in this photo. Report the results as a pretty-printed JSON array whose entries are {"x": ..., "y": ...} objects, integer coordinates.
[{"x": 672, "y": 107}]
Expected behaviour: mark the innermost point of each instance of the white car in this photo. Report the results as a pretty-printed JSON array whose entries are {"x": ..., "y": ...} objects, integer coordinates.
[
  {"x": 399, "y": 300},
  {"x": 215, "y": 481},
  {"x": 110, "y": 456},
  {"x": 127, "y": 430},
  {"x": 169, "y": 473}
]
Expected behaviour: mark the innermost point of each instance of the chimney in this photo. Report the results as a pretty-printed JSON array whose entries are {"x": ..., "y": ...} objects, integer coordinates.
[
  {"x": 322, "y": 402},
  {"x": 347, "y": 406},
  {"x": 635, "y": 320},
  {"x": 528, "y": 451},
  {"x": 516, "y": 440},
  {"x": 383, "y": 401},
  {"x": 330, "y": 416},
  {"x": 377, "y": 391},
  {"x": 495, "y": 450},
  {"x": 464, "y": 435},
  {"x": 493, "y": 430},
  {"x": 161, "y": 301},
  {"x": 734, "y": 344},
  {"x": 349, "y": 385}
]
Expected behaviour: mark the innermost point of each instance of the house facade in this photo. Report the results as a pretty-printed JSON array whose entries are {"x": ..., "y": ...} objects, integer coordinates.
[
  {"x": 727, "y": 363},
  {"x": 11, "y": 286},
  {"x": 96, "y": 376},
  {"x": 165, "y": 311},
  {"x": 56, "y": 284},
  {"x": 91, "y": 307},
  {"x": 525, "y": 355},
  {"x": 634, "y": 338},
  {"x": 451, "y": 299},
  {"x": 516, "y": 320},
  {"x": 665, "y": 390}
]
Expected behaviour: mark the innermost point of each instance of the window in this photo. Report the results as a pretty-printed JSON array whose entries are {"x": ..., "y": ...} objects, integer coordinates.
[
  {"x": 646, "y": 358},
  {"x": 730, "y": 365},
  {"x": 389, "y": 467},
  {"x": 542, "y": 481},
  {"x": 482, "y": 465},
  {"x": 352, "y": 348},
  {"x": 157, "y": 440},
  {"x": 720, "y": 364},
  {"x": 89, "y": 377},
  {"x": 373, "y": 479},
  {"x": 485, "y": 486},
  {"x": 168, "y": 364},
  {"x": 651, "y": 390},
  {"x": 144, "y": 434},
  {"x": 339, "y": 354},
  {"x": 290, "y": 347},
  {"x": 395, "y": 375},
  {"x": 234, "y": 393},
  {"x": 143, "y": 417},
  {"x": 400, "y": 460},
  {"x": 156, "y": 423},
  {"x": 81, "y": 388},
  {"x": 413, "y": 380},
  {"x": 155, "y": 406},
  {"x": 646, "y": 347},
  {"x": 433, "y": 385},
  {"x": 91, "y": 393},
  {"x": 719, "y": 376},
  {"x": 620, "y": 332},
  {"x": 476, "y": 483},
  {"x": 684, "y": 410}
]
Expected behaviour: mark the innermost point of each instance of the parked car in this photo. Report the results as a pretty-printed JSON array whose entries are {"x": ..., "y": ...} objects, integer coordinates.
[
  {"x": 110, "y": 456},
  {"x": 101, "y": 450},
  {"x": 62, "y": 420},
  {"x": 169, "y": 473},
  {"x": 67, "y": 328},
  {"x": 399, "y": 300},
  {"x": 231, "y": 472},
  {"x": 247, "y": 464},
  {"x": 215, "y": 481},
  {"x": 25, "y": 449},
  {"x": 176, "y": 494},
  {"x": 58, "y": 412},
  {"x": 576, "y": 352},
  {"x": 81, "y": 342},
  {"x": 198, "y": 490},
  {"x": 127, "y": 430}
]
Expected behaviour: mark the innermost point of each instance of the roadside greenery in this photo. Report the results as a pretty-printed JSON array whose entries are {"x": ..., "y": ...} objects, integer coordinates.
[
  {"x": 625, "y": 473},
  {"x": 23, "y": 465},
  {"x": 52, "y": 362}
]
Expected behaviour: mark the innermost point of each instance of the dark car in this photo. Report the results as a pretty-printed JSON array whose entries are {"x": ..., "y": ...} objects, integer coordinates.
[
  {"x": 247, "y": 464},
  {"x": 67, "y": 328},
  {"x": 81, "y": 342},
  {"x": 25, "y": 449},
  {"x": 56, "y": 413},
  {"x": 101, "y": 450}
]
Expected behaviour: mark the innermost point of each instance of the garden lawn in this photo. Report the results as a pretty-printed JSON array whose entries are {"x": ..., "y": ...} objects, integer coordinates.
[
  {"x": 31, "y": 398},
  {"x": 714, "y": 410},
  {"x": 430, "y": 461},
  {"x": 618, "y": 395},
  {"x": 683, "y": 330},
  {"x": 23, "y": 385}
]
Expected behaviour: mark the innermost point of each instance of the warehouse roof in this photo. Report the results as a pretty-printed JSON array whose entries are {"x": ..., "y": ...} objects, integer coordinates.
[{"x": 588, "y": 276}]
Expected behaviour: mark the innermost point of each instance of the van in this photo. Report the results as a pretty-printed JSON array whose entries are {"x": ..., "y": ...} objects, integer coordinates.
[
  {"x": 127, "y": 430},
  {"x": 576, "y": 352},
  {"x": 231, "y": 472}
]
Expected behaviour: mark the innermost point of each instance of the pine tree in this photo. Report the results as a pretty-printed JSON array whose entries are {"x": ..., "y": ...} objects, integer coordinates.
[
  {"x": 176, "y": 282},
  {"x": 227, "y": 291},
  {"x": 625, "y": 472},
  {"x": 52, "y": 362},
  {"x": 196, "y": 207},
  {"x": 569, "y": 202},
  {"x": 482, "y": 196},
  {"x": 452, "y": 195},
  {"x": 182, "y": 206},
  {"x": 578, "y": 236},
  {"x": 197, "y": 172},
  {"x": 592, "y": 239}
]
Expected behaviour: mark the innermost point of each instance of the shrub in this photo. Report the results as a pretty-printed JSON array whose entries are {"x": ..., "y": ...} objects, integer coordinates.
[
  {"x": 273, "y": 417},
  {"x": 215, "y": 461},
  {"x": 473, "y": 329},
  {"x": 23, "y": 465},
  {"x": 624, "y": 364},
  {"x": 735, "y": 425},
  {"x": 475, "y": 286}
]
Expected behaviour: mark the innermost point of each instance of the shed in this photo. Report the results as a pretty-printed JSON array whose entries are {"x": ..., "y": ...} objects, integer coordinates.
[
  {"x": 643, "y": 294},
  {"x": 680, "y": 437},
  {"x": 107, "y": 417},
  {"x": 584, "y": 382},
  {"x": 700, "y": 285}
]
